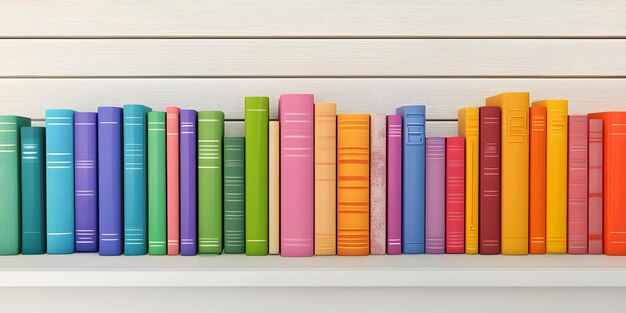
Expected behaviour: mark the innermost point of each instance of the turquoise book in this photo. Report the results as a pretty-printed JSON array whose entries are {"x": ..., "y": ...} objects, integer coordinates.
[{"x": 34, "y": 187}]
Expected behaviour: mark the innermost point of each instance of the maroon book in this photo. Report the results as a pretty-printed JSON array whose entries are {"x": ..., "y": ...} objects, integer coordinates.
[{"x": 489, "y": 181}]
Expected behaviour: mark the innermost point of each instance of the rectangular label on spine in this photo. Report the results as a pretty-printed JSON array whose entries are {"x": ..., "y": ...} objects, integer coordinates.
[
  {"x": 468, "y": 128},
  {"x": 157, "y": 190},
  {"x": 595, "y": 186},
  {"x": 188, "y": 183},
  {"x": 33, "y": 141},
  {"x": 577, "y": 184},
  {"x": 435, "y": 195},
  {"x": 234, "y": 200},
  {"x": 537, "y": 176},
  {"x": 378, "y": 183},
  {"x": 325, "y": 178},
  {"x": 455, "y": 195},
  {"x": 394, "y": 184},
  {"x": 274, "y": 187},
  {"x": 489, "y": 181},
  {"x": 173, "y": 180},
  {"x": 86, "y": 181}
]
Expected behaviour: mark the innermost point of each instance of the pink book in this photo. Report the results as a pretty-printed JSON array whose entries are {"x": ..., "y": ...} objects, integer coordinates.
[
  {"x": 173, "y": 191},
  {"x": 577, "y": 191},
  {"x": 595, "y": 186},
  {"x": 455, "y": 195},
  {"x": 394, "y": 184},
  {"x": 296, "y": 117},
  {"x": 435, "y": 195},
  {"x": 378, "y": 182}
]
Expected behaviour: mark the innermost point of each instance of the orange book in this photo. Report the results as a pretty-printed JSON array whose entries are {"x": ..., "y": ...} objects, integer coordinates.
[
  {"x": 537, "y": 176},
  {"x": 325, "y": 178},
  {"x": 353, "y": 140}
]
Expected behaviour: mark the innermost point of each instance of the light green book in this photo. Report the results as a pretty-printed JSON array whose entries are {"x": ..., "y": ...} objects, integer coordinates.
[{"x": 157, "y": 221}]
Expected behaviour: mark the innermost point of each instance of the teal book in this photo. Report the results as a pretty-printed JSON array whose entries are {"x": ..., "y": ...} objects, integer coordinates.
[
  {"x": 234, "y": 200},
  {"x": 157, "y": 220},
  {"x": 135, "y": 179},
  {"x": 33, "y": 141},
  {"x": 10, "y": 186}
]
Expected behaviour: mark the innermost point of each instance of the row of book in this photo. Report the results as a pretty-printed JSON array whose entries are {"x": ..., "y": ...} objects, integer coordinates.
[{"x": 518, "y": 179}]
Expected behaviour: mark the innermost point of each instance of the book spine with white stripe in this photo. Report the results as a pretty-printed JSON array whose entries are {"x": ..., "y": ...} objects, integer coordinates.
[
  {"x": 34, "y": 182},
  {"x": 188, "y": 183},
  {"x": 234, "y": 205},
  {"x": 86, "y": 181},
  {"x": 157, "y": 196},
  {"x": 173, "y": 180}
]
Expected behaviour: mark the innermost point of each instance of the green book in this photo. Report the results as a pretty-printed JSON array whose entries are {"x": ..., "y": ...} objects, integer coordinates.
[
  {"x": 210, "y": 137},
  {"x": 10, "y": 184},
  {"x": 234, "y": 204},
  {"x": 33, "y": 142},
  {"x": 257, "y": 176},
  {"x": 157, "y": 222}
]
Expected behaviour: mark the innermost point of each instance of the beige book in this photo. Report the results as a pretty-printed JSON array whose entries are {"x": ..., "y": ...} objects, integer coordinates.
[{"x": 274, "y": 187}]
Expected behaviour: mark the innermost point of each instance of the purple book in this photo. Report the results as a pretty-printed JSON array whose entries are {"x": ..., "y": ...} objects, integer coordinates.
[
  {"x": 435, "y": 195},
  {"x": 85, "y": 181},
  {"x": 394, "y": 184},
  {"x": 188, "y": 182}
]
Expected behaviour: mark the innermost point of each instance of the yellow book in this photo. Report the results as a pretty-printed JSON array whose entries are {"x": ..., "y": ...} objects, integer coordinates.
[
  {"x": 556, "y": 174},
  {"x": 514, "y": 175},
  {"x": 468, "y": 128},
  {"x": 325, "y": 178},
  {"x": 274, "y": 187}
]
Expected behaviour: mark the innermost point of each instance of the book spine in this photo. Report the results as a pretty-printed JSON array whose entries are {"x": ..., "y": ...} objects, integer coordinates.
[
  {"x": 86, "y": 181},
  {"x": 60, "y": 181},
  {"x": 157, "y": 189},
  {"x": 413, "y": 177},
  {"x": 34, "y": 180},
  {"x": 435, "y": 195},
  {"x": 469, "y": 128},
  {"x": 378, "y": 183},
  {"x": 234, "y": 200},
  {"x": 110, "y": 180},
  {"x": 595, "y": 186},
  {"x": 394, "y": 184},
  {"x": 257, "y": 176},
  {"x": 210, "y": 175},
  {"x": 173, "y": 180},
  {"x": 188, "y": 183},
  {"x": 296, "y": 116},
  {"x": 489, "y": 181},
  {"x": 135, "y": 180},
  {"x": 577, "y": 184},
  {"x": 325, "y": 178},
  {"x": 455, "y": 195},
  {"x": 537, "y": 176},
  {"x": 353, "y": 184},
  {"x": 274, "y": 187}
]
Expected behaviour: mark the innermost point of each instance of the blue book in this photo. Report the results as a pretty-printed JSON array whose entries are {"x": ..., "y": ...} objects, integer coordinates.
[
  {"x": 86, "y": 181},
  {"x": 34, "y": 183},
  {"x": 60, "y": 181},
  {"x": 110, "y": 180},
  {"x": 413, "y": 177},
  {"x": 135, "y": 180}
]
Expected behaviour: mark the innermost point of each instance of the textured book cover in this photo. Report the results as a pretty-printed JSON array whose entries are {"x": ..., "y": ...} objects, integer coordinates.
[
  {"x": 110, "y": 180},
  {"x": 188, "y": 182},
  {"x": 257, "y": 176},
  {"x": 157, "y": 189},
  {"x": 234, "y": 200},
  {"x": 394, "y": 184},
  {"x": 378, "y": 183},
  {"x": 274, "y": 187},
  {"x": 435, "y": 195},
  {"x": 296, "y": 115},
  {"x": 595, "y": 186},
  {"x": 172, "y": 125},
  {"x": 537, "y": 176},
  {"x": 353, "y": 184},
  {"x": 469, "y": 129},
  {"x": 33, "y": 167},
  {"x": 135, "y": 179},
  {"x": 210, "y": 175},
  {"x": 577, "y": 184},
  {"x": 455, "y": 195},
  {"x": 514, "y": 171},
  {"x": 86, "y": 181},
  {"x": 413, "y": 177},
  {"x": 325, "y": 178},
  {"x": 489, "y": 181},
  {"x": 60, "y": 181},
  {"x": 556, "y": 174}
]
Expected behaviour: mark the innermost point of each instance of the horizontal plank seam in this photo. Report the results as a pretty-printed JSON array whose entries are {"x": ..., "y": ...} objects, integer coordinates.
[
  {"x": 311, "y": 76},
  {"x": 183, "y": 37}
]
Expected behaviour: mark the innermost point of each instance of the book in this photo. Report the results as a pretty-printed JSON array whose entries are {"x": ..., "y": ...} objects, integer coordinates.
[
  {"x": 296, "y": 116},
  {"x": 86, "y": 181},
  {"x": 489, "y": 181},
  {"x": 537, "y": 176},
  {"x": 157, "y": 189},
  {"x": 514, "y": 171},
  {"x": 33, "y": 177},
  {"x": 135, "y": 179},
  {"x": 556, "y": 174},
  {"x": 325, "y": 178},
  {"x": 435, "y": 195},
  {"x": 595, "y": 186},
  {"x": 234, "y": 199},
  {"x": 274, "y": 187},
  {"x": 257, "y": 175},
  {"x": 59, "y": 181},
  {"x": 188, "y": 182},
  {"x": 378, "y": 183},
  {"x": 110, "y": 180},
  {"x": 394, "y": 184},
  {"x": 455, "y": 195},
  {"x": 577, "y": 184},
  {"x": 210, "y": 175},
  {"x": 353, "y": 184},
  {"x": 469, "y": 129},
  {"x": 172, "y": 125},
  {"x": 413, "y": 177}
]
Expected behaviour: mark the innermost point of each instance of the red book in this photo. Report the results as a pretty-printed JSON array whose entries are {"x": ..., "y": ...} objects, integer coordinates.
[
  {"x": 173, "y": 180},
  {"x": 489, "y": 181},
  {"x": 455, "y": 195},
  {"x": 595, "y": 187},
  {"x": 577, "y": 190}
]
